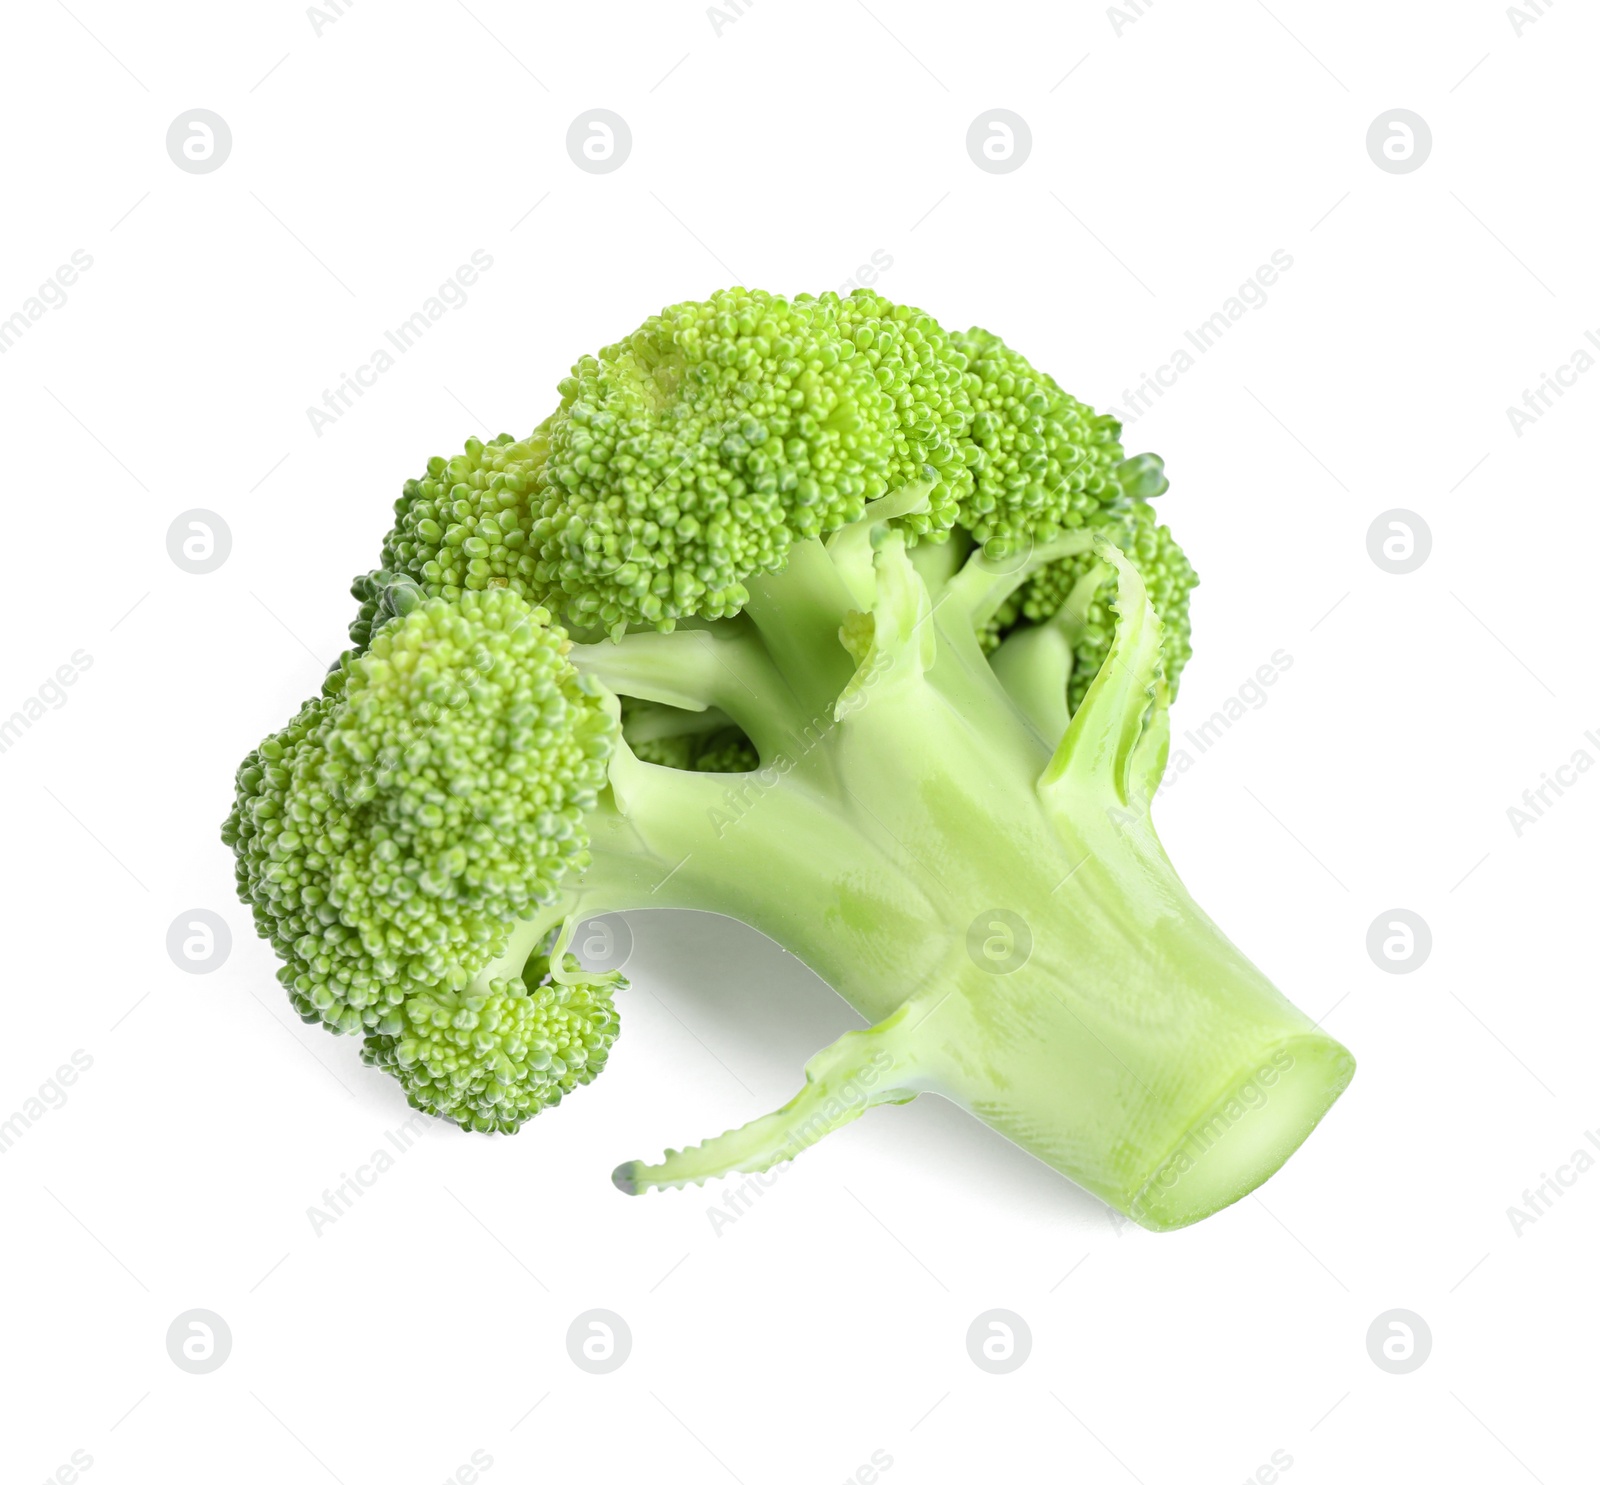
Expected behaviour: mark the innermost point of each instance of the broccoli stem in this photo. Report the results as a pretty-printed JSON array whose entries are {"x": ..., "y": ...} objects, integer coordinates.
[
  {"x": 798, "y": 612},
  {"x": 1035, "y": 663},
  {"x": 697, "y": 669},
  {"x": 859, "y": 1071},
  {"x": 1101, "y": 1022},
  {"x": 994, "y": 900},
  {"x": 760, "y": 848},
  {"x": 1045, "y": 968},
  {"x": 662, "y": 722},
  {"x": 1104, "y": 1023},
  {"x": 1065, "y": 989}
]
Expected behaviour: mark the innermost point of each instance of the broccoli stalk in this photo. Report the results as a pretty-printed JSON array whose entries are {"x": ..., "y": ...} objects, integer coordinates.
[{"x": 1003, "y": 911}]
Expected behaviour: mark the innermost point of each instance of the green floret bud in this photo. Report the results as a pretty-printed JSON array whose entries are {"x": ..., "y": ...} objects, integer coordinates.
[
  {"x": 716, "y": 750},
  {"x": 491, "y": 1061},
  {"x": 1042, "y": 461},
  {"x": 725, "y": 751},
  {"x": 1168, "y": 580},
  {"x": 391, "y": 836},
  {"x": 728, "y": 751},
  {"x": 697, "y": 742},
  {"x": 667, "y": 752},
  {"x": 917, "y": 363},
  {"x": 464, "y": 527},
  {"x": 691, "y": 456}
]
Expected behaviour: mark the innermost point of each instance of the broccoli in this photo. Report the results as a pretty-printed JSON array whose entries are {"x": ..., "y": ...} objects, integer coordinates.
[
  {"x": 394, "y": 833},
  {"x": 806, "y": 612}
]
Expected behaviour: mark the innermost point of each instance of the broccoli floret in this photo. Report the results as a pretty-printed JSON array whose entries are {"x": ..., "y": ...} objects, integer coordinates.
[
  {"x": 923, "y": 371},
  {"x": 1049, "y": 596},
  {"x": 687, "y": 458},
  {"x": 882, "y": 638},
  {"x": 1049, "y": 465},
  {"x": 463, "y": 527},
  {"x": 494, "y": 1059},
  {"x": 393, "y": 835},
  {"x": 1044, "y": 462}
]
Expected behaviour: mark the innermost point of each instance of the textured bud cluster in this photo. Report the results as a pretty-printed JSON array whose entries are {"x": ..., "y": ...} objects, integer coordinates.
[
  {"x": 492, "y": 1061},
  {"x": 389, "y": 837},
  {"x": 1168, "y": 580},
  {"x": 689, "y": 457},
  {"x": 463, "y": 527},
  {"x": 1043, "y": 462}
]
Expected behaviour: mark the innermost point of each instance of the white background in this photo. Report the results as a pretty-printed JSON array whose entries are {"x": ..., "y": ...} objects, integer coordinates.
[{"x": 829, "y": 1320}]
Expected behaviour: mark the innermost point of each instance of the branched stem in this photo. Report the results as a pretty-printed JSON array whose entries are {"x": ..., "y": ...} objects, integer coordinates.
[{"x": 726, "y": 667}]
